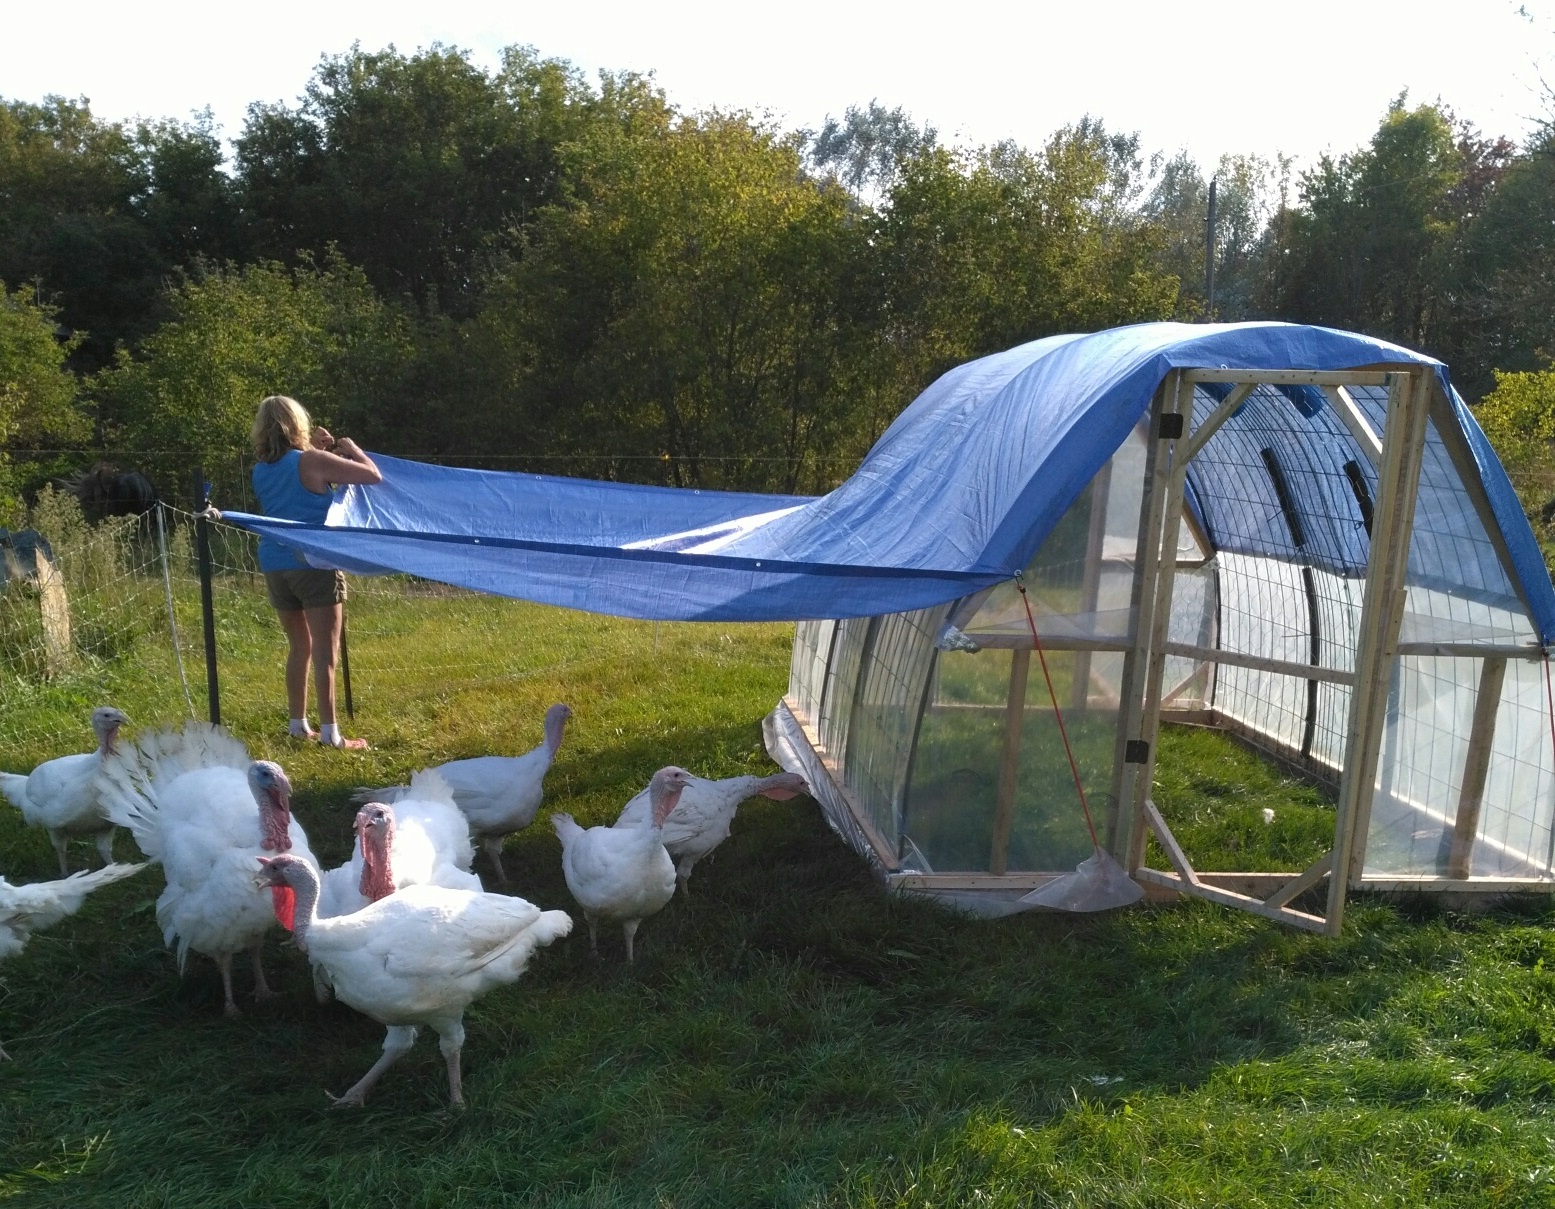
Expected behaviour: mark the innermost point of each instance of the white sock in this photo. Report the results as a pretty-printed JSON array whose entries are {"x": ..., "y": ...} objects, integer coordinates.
[
  {"x": 298, "y": 728},
  {"x": 329, "y": 732}
]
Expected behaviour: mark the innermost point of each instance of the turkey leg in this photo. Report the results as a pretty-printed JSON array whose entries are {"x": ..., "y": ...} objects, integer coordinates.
[
  {"x": 493, "y": 846},
  {"x": 231, "y": 1006},
  {"x": 450, "y": 1039},
  {"x": 396, "y": 1042},
  {"x": 57, "y": 838},
  {"x": 629, "y": 927},
  {"x": 262, "y": 989}
]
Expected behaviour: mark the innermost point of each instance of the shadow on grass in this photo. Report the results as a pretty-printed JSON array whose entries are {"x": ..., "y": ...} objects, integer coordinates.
[{"x": 790, "y": 1035}]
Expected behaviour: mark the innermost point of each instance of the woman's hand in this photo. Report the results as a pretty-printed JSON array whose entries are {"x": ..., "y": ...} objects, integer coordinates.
[
  {"x": 321, "y": 438},
  {"x": 347, "y": 448}
]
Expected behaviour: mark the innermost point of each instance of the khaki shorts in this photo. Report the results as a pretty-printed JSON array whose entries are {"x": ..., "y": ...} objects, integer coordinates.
[{"x": 292, "y": 590}]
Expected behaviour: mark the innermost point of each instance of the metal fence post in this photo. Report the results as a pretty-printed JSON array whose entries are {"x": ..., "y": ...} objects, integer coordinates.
[
  {"x": 202, "y": 531},
  {"x": 345, "y": 665}
]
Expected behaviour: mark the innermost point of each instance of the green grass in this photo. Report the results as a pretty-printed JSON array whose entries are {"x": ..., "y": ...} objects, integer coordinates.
[{"x": 791, "y": 1035}]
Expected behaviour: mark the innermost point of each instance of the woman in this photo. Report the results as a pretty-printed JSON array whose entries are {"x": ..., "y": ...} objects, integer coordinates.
[{"x": 297, "y": 466}]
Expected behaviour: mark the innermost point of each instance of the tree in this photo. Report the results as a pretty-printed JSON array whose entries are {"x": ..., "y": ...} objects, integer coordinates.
[
  {"x": 977, "y": 251},
  {"x": 417, "y": 168},
  {"x": 96, "y": 214},
  {"x": 319, "y": 334},
  {"x": 1507, "y": 271},
  {"x": 867, "y": 147},
  {"x": 690, "y": 298},
  {"x": 1371, "y": 246},
  {"x": 37, "y": 393},
  {"x": 1178, "y": 203}
]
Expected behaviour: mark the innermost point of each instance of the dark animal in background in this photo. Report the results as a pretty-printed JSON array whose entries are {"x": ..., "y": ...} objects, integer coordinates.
[{"x": 106, "y": 491}]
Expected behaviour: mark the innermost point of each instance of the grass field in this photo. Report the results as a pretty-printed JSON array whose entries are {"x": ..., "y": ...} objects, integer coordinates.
[{"x": 790, "y": 1035}]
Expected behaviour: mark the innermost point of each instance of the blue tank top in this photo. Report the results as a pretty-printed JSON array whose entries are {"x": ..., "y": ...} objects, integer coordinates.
[{"x": 278, "y": 485}]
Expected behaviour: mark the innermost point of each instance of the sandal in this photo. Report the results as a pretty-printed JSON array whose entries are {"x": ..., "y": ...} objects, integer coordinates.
[{"x": 347, "y": 744}]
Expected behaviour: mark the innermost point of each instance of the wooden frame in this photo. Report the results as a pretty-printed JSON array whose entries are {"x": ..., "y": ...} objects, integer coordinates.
[
  {"x": 1382, "y": 612},
  {"x": 1476, "y": 766},
  {"x": 1398, "y": 455}
]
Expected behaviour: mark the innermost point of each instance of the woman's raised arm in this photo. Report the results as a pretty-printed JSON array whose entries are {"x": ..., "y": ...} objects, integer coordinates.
[{"x": 318, "y": 468}]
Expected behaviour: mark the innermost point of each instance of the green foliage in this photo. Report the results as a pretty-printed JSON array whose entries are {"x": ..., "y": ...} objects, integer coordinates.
[
  {"x": 1369, "y": 249},
  {"x": 37, "y": 394},
  {"x": 417, "y": 167},
  {"x": 691, "y": 298},
  {"x": 1519, "y": 417},
  {"x": 236, "y": 335},
  {"x": 97, "y": 213}
]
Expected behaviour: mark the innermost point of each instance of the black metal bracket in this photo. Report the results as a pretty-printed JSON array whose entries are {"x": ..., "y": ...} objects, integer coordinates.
[
  {"x": 1168, "y": 426},
  {"x": 1136, "y": 751}
]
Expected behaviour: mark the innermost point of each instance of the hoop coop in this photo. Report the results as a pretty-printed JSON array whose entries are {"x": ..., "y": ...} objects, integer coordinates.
[
  {"x": 1324, "y": 563},
  {"x": 1294, "y": 534}
]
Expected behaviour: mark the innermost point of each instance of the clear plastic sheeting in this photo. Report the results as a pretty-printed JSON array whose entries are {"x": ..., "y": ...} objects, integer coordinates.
[
  {"x": 1425, "y": 764},
  {"x": 1098, "y": 884},
  {"x": 965, "y": 740},
  {"x": 894, "y": 668}
]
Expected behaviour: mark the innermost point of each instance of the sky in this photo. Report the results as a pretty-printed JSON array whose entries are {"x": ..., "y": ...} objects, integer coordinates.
[{"x": 1208, "y": 76}]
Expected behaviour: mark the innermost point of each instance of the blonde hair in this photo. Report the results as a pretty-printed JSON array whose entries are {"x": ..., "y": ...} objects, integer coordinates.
[{"x": 281, "y": 424}]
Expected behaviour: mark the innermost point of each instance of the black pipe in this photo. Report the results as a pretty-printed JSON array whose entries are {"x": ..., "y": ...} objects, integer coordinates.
[
  {"x": 1361, "y": 492},
  {"x": 345, "y": 665},
  {"x": 202, "y": 534},
  {"x": 1298, "y": 539}
]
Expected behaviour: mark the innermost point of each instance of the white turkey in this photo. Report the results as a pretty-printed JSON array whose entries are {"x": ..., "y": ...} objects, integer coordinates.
[
  {"x": 28, "y": 909},
  {"x": 61, "y": 795},
  {"x": 427, "y": 842},
  {"x": 498, "y": 794},
  {"x": 418, "y": 957},
  {"x": 623, "y": 873},
  {"x": 194, "y": 802},
  {"x": 422, "y": 841},
  {"x": 700, "y": 820}
]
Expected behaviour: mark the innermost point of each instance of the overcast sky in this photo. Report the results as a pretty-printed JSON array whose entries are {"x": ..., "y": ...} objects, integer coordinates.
[{"x": 1206, "y": 75}]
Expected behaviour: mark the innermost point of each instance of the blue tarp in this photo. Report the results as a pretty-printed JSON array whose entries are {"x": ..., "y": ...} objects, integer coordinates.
[{"x": 956, "y": 495}]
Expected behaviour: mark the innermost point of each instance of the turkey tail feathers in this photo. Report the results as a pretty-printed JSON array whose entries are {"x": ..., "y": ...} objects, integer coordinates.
[
  {"x": 13, "y": 786},
  {"x": 427, "y": 785},
  {"x": 167, "y": 753},
  {"x": 85, "y": 882},
  {"x": 567, "y": 829},
  {"x": 387, "y": 795},
  {"x": 125, "y": 791}
]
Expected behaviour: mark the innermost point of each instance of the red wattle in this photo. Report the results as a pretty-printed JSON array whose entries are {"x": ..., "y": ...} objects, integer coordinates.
[{"x": 284, "y": 900}]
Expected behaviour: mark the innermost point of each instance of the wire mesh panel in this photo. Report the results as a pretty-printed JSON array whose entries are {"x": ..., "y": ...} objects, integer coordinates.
[
  {"x": 841, "y": 684},
  {"x": 807, "y": 671},
  {"x": 80, "y": 610},
  {"x": 1426, "y": 757},
  {"x": 1516, "y": 833},
  {"x": 892, "y": 680}
]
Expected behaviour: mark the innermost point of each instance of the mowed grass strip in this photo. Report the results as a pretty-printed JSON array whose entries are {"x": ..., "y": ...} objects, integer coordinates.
[{"x": 790, "y": 1035}]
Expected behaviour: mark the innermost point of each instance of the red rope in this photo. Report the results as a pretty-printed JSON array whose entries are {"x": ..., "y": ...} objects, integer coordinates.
[{"x": 1063, "y": 732}]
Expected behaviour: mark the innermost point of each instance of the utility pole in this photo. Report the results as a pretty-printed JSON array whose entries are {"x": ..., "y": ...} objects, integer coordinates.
[{"x": 1209, "y": 254}]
